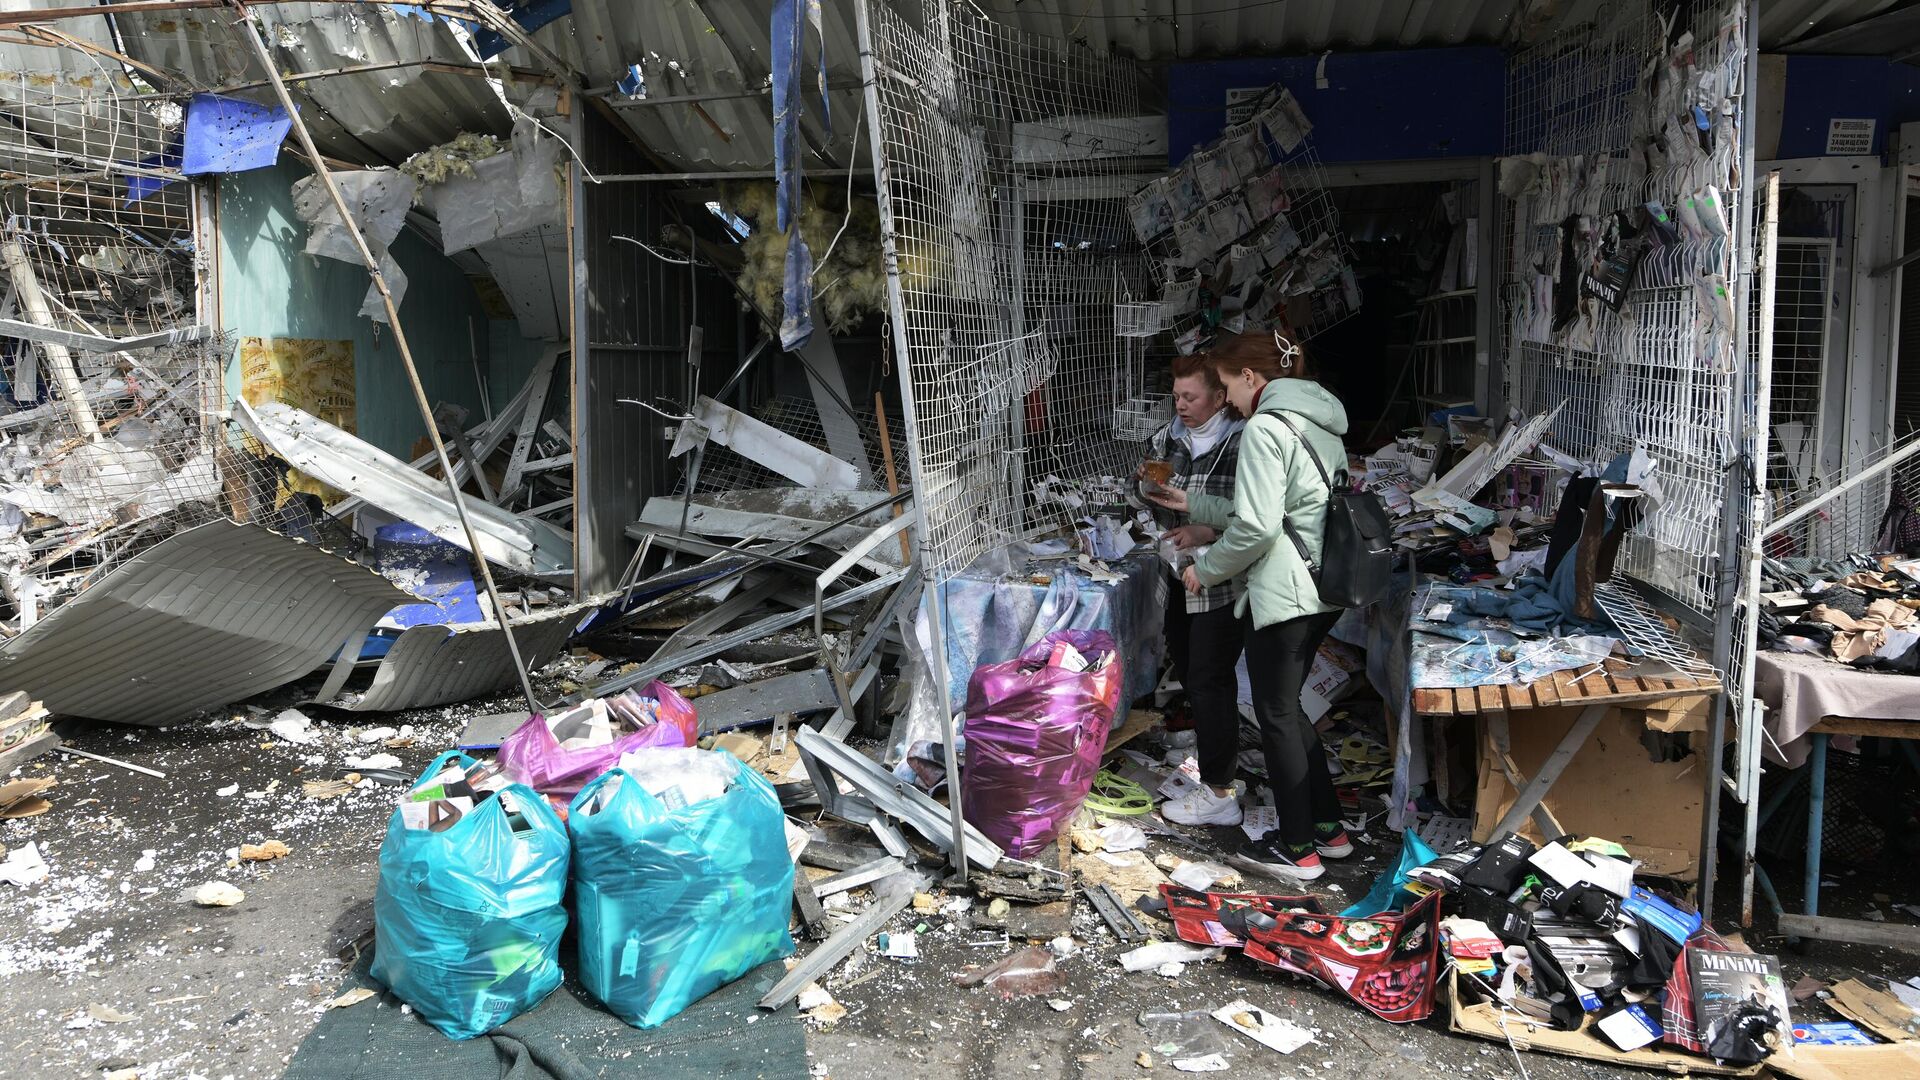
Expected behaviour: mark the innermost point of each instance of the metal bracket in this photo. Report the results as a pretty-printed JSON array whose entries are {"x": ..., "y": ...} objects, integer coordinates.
[{"x": 1106, "y": 903}]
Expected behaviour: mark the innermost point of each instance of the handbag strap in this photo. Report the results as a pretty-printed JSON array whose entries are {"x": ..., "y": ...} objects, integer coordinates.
[
  {"x": 1286, "y": 523},
  {"x": 1314, "y": 457}
]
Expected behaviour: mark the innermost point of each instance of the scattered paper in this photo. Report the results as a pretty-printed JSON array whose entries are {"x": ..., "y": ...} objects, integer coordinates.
[
  {"x": 1116, "y": 860},
  {"x": 373, "y": 761},
  {"x": 352, "y": 997},
  {"x": 1059, "y": 1005},
  {"x": 900, "y": 946},
  {"x": 811, "y": 997},
  {"x": 1119, "y": 838},
  {"x": 24, "y": 866},
  {"x": 1258, "y": 821},
  {"x": 1210, "y": 1063},
  {"x": 107, "y": 1014},
  {"x": 1908, "y": 994},
  {"x": 1263, "y": 1027},
  {"x": 145, "y": 862},
  {"x": 229, "y": 790}
]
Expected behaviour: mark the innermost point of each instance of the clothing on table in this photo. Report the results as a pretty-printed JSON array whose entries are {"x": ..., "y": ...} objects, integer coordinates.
[
  {"x": 1214, "y": 642},
  {"x": 1276, "y": 484},
  {"x": 1208, "y": 472},
  {"x": 1279, "y": 656},
  {"x": 1859, "y": 638}
]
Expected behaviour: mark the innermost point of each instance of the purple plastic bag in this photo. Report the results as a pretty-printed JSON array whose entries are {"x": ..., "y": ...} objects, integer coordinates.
[
  {"x": 1035, "y": 734},
  {"x": 532, "y": 756}
]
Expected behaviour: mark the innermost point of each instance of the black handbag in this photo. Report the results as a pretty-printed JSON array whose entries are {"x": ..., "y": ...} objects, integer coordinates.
[{"x": 1356, "y": 564}]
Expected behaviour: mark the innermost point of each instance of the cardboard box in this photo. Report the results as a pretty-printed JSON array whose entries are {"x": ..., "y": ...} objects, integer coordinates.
[
  {"x": 1609, "y": 789},
  {"x": 1487, "y": 1021}
]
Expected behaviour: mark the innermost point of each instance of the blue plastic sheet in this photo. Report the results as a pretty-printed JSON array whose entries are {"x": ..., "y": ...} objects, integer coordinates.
[
  {"x": 229, "y": 135},
  {"x": 674, "y": 904},
  {"x": 1389, "y": 892},
  {"x": 467, "y": 922},
  {"x": 139, "y": 186}
]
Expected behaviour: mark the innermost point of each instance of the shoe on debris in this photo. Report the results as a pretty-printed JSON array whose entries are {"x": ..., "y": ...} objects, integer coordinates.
[
  {"x": 1202, "y": 806},
  {"x": 1271, "y": 857},
  {"x": 1330, "y": 841}
]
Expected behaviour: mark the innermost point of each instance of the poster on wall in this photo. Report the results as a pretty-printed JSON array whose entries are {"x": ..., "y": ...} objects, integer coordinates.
[{"x": 310, "y": 374}]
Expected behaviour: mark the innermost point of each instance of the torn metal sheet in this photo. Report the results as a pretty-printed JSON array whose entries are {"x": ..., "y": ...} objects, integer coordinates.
[
  {"x": 210, "y": 615},
  {"x": 334, "y": 457},
  {"x": 436, "y": 665},
  {"x": 777, "y": 514},
  {"x": 797, "y": 460},
  {"x": 378, "y": 200},
  {"x": 825, "y": 758},
  {"x": 801, "y": 692}
]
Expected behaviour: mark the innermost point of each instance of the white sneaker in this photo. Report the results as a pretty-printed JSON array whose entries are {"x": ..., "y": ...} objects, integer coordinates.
[{"x": 1202, "y": 807}]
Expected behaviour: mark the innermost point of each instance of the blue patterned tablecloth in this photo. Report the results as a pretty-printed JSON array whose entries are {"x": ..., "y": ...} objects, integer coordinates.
[{"x": 991, "y": 618}]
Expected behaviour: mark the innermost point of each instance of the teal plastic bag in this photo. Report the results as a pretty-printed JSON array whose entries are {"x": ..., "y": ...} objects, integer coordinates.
[
  {"x": 467, "y": 922},
  {"x": 673, "y": 904},
  {"x": 1389, "y": 892}
]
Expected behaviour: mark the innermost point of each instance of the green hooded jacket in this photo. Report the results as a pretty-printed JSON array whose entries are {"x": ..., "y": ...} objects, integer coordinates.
[{"x": 1276, "y": 482}]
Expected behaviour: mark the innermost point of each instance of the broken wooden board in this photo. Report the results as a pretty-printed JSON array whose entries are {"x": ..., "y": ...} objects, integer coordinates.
[
  {"x": 1131, "y": 882},
  {"x": 1018, "y": 883},
  {"x": 1032, "y": 921},
  {"x": 1137, "y": 723}
]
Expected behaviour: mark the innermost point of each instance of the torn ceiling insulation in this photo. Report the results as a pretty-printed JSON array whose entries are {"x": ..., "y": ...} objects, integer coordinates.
[{"x": 210, "y": 615}]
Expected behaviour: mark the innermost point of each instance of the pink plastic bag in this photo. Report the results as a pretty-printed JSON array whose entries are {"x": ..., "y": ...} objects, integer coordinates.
[
  {"x": 656, "y": 717},
  {"x": 1035, "y": 734}
]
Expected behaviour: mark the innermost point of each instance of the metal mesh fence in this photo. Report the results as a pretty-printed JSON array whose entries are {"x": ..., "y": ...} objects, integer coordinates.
[
  {"x": 105, "y": 450},
  {"x": 1659, "y": 373},
  {"x": 1006, "y": 161}
]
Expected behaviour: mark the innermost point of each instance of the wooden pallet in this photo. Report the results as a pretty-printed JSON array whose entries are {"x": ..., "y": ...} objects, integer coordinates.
[{"x": 1563, "y": 688}]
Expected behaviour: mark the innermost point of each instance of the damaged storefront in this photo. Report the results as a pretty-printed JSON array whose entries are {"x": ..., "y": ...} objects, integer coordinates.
[{"x": 728, "y": 536}]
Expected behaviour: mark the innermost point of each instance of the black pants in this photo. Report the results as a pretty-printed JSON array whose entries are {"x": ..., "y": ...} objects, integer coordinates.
[
  {"x": 1177, "y": 629},
  {"x": 1214, "y": 641},
  {"x": 1278, "y": 659}
]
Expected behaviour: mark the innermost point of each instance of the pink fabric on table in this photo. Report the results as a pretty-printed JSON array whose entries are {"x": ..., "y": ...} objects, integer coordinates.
[
  {"x": 532, "y": 756},
  {"x": 1035, "y": 735}
]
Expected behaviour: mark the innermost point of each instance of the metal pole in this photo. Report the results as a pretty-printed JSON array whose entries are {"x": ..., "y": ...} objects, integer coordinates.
[
  {"x": 896, "y": 302},
  {"x": 1751, "y": 718},
  {"x": 1727, "y": 572},
  {"x": 352, "y": 227}
]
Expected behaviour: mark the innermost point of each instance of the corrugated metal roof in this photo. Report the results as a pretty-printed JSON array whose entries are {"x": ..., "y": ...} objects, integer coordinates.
[
  {"x": 720, "y": 47},
  {"x": 374, "y": 117},
  {"x": 210, "y": 615},
  {"x": 435, "y": 665}
]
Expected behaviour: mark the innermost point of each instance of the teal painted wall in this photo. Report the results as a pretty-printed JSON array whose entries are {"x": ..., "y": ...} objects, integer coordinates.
[{"x": 269, "y": 287}]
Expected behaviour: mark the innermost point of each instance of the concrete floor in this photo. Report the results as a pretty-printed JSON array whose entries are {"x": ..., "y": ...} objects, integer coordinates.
[{"x": 230, "y": 992}]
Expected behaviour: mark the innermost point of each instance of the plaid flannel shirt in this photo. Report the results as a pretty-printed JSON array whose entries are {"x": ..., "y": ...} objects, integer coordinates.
[{"x": 1211, "y": 473}]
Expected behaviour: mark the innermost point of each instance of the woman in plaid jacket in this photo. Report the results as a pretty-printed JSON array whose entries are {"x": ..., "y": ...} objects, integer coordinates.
[{"x": 1202, "y": 443}]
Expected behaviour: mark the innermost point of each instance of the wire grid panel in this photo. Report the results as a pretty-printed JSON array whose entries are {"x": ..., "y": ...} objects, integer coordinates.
[
  {"x": 1658, "y": 375},
  {"x": 1848, "y": 523},
  {"x": 1803, "y": 298},
  {"x": 1002, "y": 198}
]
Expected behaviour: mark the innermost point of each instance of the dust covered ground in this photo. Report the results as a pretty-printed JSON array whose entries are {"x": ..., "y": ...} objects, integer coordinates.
[{"x": 109, "y": 964}]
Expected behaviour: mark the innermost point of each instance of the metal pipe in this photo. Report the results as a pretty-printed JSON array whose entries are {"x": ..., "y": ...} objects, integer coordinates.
[
  {"x": 27, "y": 284},
  {"x": 1751, "y": 718},
  {"x": 420, "y": 400},
  {"x": 1726, "y": 573},
  {"x": 933, "y": 597}
]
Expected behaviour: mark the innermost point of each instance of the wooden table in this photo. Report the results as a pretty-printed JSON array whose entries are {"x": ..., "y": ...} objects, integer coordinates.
[
  {"x": 1811, "y": 924},
  {"x": 1667, "y": 703}
]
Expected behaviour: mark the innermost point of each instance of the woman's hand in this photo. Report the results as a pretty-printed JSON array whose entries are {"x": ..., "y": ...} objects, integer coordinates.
[
  {"x": 1187, "y": 537},
  {"x": 1191, "y": 580},
  {"x": 1174, "y": 499}
]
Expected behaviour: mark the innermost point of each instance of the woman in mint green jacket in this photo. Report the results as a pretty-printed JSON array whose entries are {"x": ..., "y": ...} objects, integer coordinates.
[{"x": 1279, "y": 504}]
